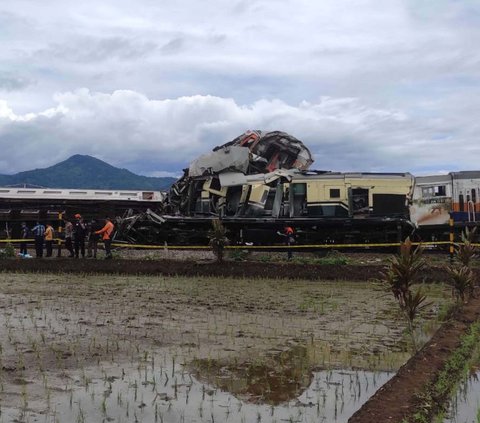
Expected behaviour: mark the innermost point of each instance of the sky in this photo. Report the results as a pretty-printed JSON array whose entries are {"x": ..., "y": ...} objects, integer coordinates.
[{"x": 367, "y": 85}]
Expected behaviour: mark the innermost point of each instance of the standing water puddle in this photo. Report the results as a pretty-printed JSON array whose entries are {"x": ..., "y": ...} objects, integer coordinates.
[
  {"x": 155, "y": 393},
  {"x": 465, "y": 406}
]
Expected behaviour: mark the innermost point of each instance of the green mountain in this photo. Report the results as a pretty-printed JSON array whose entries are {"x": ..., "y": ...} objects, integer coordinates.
[{"x": 86, "y": 172}]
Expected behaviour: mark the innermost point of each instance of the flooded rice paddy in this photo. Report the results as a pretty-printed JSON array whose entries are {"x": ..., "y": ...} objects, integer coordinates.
[
  {"x": 465, "y": 405},
  {"x": 156, "y": 349}
]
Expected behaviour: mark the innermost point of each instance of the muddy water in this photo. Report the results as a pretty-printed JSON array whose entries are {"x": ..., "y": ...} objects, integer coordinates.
[
  {"x": 465, "y": 406},
  {"x": 94, "y": 348},
  {"x": 159, "y": 390}
]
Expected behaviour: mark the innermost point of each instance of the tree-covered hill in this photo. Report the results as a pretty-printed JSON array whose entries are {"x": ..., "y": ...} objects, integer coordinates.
[{"x": 87, "y": 172}]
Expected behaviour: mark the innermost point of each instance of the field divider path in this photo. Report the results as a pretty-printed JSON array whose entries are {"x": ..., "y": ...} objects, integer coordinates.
[{"x": 401, "y": 397}]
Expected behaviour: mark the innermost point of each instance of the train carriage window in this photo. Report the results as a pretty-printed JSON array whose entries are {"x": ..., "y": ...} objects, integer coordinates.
[
  {"x": 264, "y": 196},
  {"x": 334, "y": 193},
  {"x": 474, "y": 196},
  {"x": 435, "y": 191},
  {"x": 427, "y": 192},
  {"x": 461, "y": 202},
  {"x": 440, "y": 191}
]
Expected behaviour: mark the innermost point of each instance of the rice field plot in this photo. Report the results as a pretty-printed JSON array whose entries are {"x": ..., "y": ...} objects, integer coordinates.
[{"x": 81, "y": 348}]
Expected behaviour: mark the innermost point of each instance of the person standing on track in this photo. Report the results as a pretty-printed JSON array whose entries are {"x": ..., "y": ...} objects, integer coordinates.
[
  {"x": 38, "y": 232},
  {"x": 68, "y": 237},
  {"x": 24, "y": 236},
  {"x": 79, "y": 233},
  {"x": 107, "y": 232},
  {"x": 49, "y": 234},
  {"x": 93, "y": 238},
  {"x": 289, "y": 235}
]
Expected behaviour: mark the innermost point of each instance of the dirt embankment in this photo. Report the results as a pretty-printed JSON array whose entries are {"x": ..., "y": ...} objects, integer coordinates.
[
  {"x": 250, "y": 269},
  {"x": 399, "y": 398}
]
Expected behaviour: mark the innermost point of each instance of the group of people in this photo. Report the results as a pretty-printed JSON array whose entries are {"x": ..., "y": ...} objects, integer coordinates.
[{"x": 76, "y": 234}]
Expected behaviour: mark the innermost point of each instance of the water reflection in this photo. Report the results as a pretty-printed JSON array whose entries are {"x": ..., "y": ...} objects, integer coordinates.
[
  {"x": 465, "y": 406},
  {"x": 167, "y": 393},
  {"x": 274, "y": 379}
]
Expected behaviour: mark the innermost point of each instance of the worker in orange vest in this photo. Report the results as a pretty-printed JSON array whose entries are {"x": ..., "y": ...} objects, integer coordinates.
[
  {"x": 49, "y": 234},
  {"x": 107, "y": 232},
  {"x": 289, "y": 235}
]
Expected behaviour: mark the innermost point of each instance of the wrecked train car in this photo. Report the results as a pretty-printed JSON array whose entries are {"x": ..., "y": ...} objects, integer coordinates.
[
  {"x": 254, "y": 152},
  {"x": 25, "y": 204},
  {"x": 438, "y": 198},
  {"x": 260, "y": 182}
]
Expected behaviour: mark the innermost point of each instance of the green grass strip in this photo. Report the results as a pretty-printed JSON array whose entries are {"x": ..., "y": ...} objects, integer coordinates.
[{"x": 434, "y": 399}]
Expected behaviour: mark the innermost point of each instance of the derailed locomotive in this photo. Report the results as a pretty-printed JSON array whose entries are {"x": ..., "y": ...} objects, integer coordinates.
[{"x": 260, "y": 182}]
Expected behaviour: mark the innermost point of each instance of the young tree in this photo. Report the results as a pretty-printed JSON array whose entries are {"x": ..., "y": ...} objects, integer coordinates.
[
  {"x": 401, "y": 273},
  {"x": 218, "y": 239}
]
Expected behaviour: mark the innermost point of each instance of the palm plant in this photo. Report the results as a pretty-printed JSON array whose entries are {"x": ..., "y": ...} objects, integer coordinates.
[
  {"x": 401, "y": 273},
  {"x": 461, "y": 274},
  {"x": 465, "y": 252},
  {"x": 218, "y": 239},
  {"x": 462, "y": 282}
]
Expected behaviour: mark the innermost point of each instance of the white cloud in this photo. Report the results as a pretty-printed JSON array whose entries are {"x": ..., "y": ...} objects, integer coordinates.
[
  {"x": 369, "y": 85},
  {"x": 160, "y": 137}
]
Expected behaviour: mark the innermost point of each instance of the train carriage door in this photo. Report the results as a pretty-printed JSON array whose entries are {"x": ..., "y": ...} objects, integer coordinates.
[
  {"x": 461, "y": 202},
  {"x": 350, "y": 200},
  {"x": 297, "y": 199}
]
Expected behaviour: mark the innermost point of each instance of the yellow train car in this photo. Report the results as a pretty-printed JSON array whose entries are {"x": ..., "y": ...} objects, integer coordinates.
[{"x": 321, "y": 195}]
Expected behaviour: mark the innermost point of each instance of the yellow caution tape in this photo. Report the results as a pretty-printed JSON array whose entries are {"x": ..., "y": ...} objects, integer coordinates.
[
  {"x": 255, "y": 247},
  {"x": 163, "y": 247}
]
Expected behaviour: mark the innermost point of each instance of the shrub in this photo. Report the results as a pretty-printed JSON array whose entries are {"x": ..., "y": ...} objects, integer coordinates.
[
  {"x": 8, "y": 251},
  {"x": 239, "y": 255},
  {"x": 218, "y": 239}
]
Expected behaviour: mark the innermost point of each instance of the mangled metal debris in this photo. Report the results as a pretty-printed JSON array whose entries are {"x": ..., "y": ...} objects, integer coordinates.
[
  {"x": 252, "y": 153},
  {"x": 272, "y": 150},
  {"x": 212, "y": 186},
  {"x": 224, "y": 159},
  {"x": 260, "y": 182}
]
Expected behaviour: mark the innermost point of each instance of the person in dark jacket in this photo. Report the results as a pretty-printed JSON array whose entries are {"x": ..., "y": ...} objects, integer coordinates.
[
  {"x": 24, "y": 232},
  {"x": 38, "y": 232},
  {"x": 79, "y": 234},
  {"x": 93, "y": 238}
]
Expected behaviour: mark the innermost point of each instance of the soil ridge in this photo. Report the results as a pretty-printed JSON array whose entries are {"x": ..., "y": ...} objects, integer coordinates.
[
  {"x": 400, "y": 397},
  {"x": 231, "y": 269}
]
